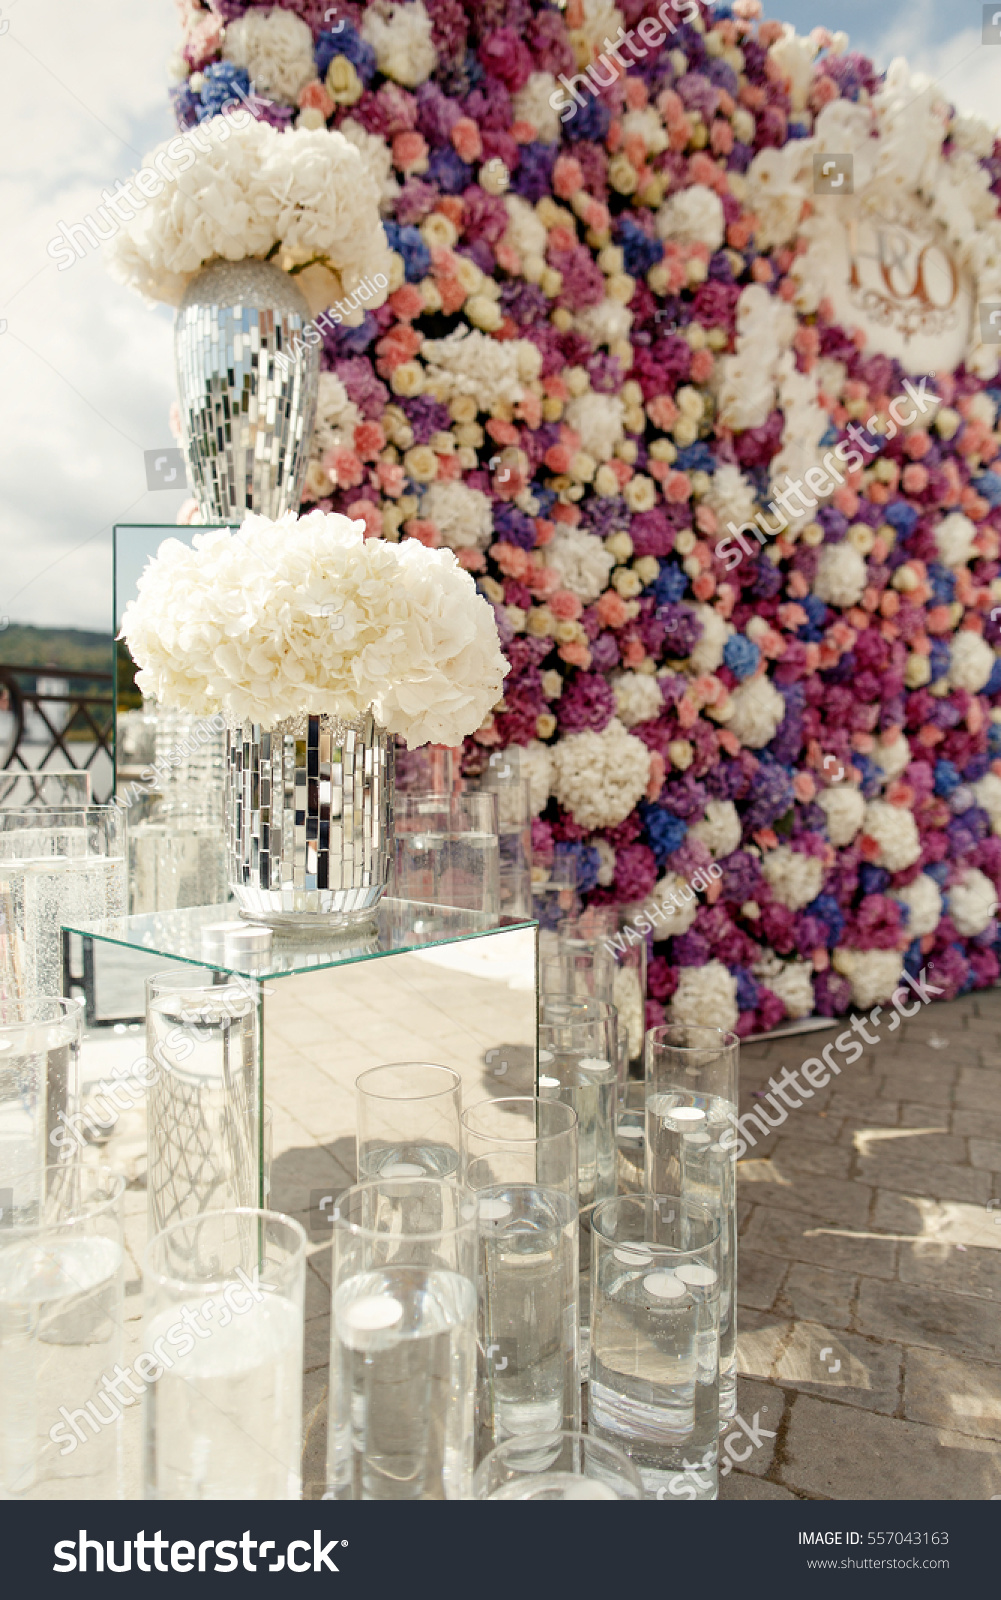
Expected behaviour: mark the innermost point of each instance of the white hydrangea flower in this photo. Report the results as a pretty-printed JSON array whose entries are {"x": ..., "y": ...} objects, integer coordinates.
[
  {"x": 971, "y": 661},
  {"x": 794, "y": 879},
  {"x": 461, "y": 515},
  {"x": 606, "y": 859},
  {"x": 601, "y": 20},
  {"x": 845, "y": 811},
  {"x": 599, "y": 419},
  {"x": 303, "y": 190},
  {"x": 537, "y": 766},
  {"x": 531, "y": 104},
  {"x": 337, "y": 417},
  {"x": 637, "y": 697},
  {"x": 923, "y": 899},
  {"x": 719, "y": 829},
  {"x": 606, "y": 323},
  {"x": 706, "y": 995},
  {"x": 873, "y": 974},
  {"x": 896, "y": 832},
  {"x": 775, "y": 194},
  {"x": 891, "y": 757},
  {"x": 730, "y": 496},
  {"x": 987, "y": 793},
  {"x": 492, "y": 371},
  {"x": 756, "y": 712},
  {"x": 306, "y": 615},
  {"x": 525, "y": 232},
  {"x": 400, "y": 35},
  {"x": 627, "y": 997},
  {"x": 766, "y": 326},
  {"x": 599, "y": 777},
  {"x": 954, "y": 537},
  {"x": 647, "y": 122},
  {"x": 275, "y": 48},
  {"x": 672, "y": 905},
  {"x": 708, "y": 652},
  {"x": 378, "y": 158},
  {"x": 794, "y": 986},
  {"x": 973, "y": 903},
  {"x": 583, "y": 563},
  {"x": 795, "y": 54},
  {"x": 693, "y": 216},
  {"x": 841, "y": 574}
]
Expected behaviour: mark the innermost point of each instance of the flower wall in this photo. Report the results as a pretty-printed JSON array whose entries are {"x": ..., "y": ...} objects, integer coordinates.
[{"x": 607, "y": 340}]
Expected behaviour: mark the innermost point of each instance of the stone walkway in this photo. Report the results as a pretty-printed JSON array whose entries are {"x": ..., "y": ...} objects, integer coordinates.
[{"x": 869, "y": 1280}]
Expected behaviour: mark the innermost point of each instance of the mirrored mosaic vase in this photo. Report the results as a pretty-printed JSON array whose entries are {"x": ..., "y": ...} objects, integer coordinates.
[
  {"x": 309, "y": 811},
  {"x": 247, "y": 398}
]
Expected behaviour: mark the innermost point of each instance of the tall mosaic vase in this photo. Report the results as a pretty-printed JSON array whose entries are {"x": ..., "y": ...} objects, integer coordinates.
[
  {"x": 247, "y": 398},
  {"x": 309, "y": 814}
]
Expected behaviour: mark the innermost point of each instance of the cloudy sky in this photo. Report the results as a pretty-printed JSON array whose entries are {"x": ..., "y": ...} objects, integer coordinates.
[{"x": 86, "y": 369}]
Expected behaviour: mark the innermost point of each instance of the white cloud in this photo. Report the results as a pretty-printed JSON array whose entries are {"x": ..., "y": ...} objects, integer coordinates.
[{"x": 87, "y": 369}]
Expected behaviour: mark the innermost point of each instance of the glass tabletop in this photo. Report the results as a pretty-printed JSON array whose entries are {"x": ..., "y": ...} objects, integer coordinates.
[{"x": 192, "y": 935}]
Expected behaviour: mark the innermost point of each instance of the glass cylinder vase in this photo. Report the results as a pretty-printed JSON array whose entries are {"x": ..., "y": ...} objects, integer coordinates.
[{"x": 309, "y": 816}]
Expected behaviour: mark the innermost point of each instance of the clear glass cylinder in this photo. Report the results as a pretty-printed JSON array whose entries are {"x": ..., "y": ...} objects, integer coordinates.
[
  {"x": 402, "y": 1342},
  {"x": 447, "y": 851},
  {"x": 557, "y": 1466},
  {"x": 203, "y": 1099},
  {"x": 654, "y": 1379},
  {"x": 177, "y": 860},
  {"x": 61, "y": 1317},
  {"x": 630, "y": 1140},
  {"x": 222, "y": 1358},
  {"x": 505, "y": 776},
  {"x": 520, "y": 1156},
  {"x": 59, "y": 865},
  {"x": 407, "y": 1121},
  {"x": 578, "y": 1064},
  {"x": 47, "y": 788},
  {"x": 39, "y": 1082},
  {"x": 691, "y": 1107}
]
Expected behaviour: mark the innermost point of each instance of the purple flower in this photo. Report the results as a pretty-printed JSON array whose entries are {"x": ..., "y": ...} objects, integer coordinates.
[{"x": 587, "y": 701}]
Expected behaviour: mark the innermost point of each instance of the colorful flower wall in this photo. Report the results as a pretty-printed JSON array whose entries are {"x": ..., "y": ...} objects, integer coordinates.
[{"x": 607, "y": 349}]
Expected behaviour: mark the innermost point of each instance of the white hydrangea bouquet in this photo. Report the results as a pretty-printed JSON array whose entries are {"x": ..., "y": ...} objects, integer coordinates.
[
  {"x": 305, "y": 616},
  {"x": 304, "y": 200}
]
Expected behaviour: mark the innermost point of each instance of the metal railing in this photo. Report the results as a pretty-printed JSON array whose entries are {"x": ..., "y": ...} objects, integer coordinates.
[{"x": 36, "y": 727}]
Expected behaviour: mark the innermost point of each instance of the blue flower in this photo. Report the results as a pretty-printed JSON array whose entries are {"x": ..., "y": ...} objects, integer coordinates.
[
  {"x": 588, "y": 863},
  {"x": 591, "y": 121},
  {"x": 741, "y": 655},
  {"x": 938, "y": 657},
  {"x": 994, "y": 731},
  {"x": 533, "y": 178},
  {"x": 408, "y": 243},
  {"x": 914, "y": 959},
  {"x": 221, "y": 82},
  {"x": 939, "y": 870},
  {"x": 872, "y": 776},
  {"x": 988, "y": 484},
  {"x": 831, "y": 436},
  {"x": 354, "y": 342},
  {"x": 345, "y": 43},
  {"x": 696, "y": 458},
  {"x": 901, "y": 516},
  {"x": 671, "y": 584},
  {"x": 748, "y": 990},
  {"x": 640, "y": 253},
  {"x": 447, "y": 169},
  {"x": 976, "y": 769},
  {"x": 873, "y": 880},
  {"x": 665, "y": 832},
  {"x": 943, "y": 582},
  {"x": 993, "y": 686},
  {"x": 826, "y": 909},
  {"x": 946, "y": 778}
]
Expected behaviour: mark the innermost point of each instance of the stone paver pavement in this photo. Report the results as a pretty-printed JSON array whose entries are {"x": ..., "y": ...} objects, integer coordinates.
[{"x": 869, "y": 1278}]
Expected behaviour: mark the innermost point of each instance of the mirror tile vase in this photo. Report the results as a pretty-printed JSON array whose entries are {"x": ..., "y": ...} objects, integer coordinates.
[
  {"x": 247, "y": 396},
  {"x": 309, "y": 808}
]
